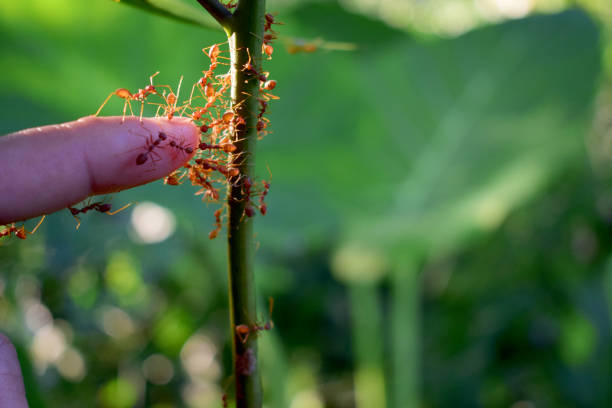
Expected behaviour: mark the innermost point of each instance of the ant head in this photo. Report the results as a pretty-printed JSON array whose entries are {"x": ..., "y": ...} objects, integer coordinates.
[
  {"x": 21, "y": 232},
  {"x": 269, "y": 85}
]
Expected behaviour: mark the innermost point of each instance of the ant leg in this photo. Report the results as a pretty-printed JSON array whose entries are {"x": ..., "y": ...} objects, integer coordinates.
[
  {"x": 119, "y": 210},
  {"x": 178, "y": 91},
  {"x": 38, "y": 225},
  {"x": 191, "y": 94},
  {"x": 153, "y": 76},
  {"x": 77, "y": 219},
  {"x": 141, "y": 110},
  {"x": 124, "y": 108},
  {"x": 104, "y": 103}
]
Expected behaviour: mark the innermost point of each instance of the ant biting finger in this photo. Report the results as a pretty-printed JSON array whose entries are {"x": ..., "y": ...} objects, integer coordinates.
[{"x": 225, "y": 122}]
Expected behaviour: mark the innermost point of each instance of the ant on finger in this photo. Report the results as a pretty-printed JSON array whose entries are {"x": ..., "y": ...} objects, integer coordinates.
[
  {"x": 151, "y": 144},
  {"x": 98, "y": 206},
  {"x": 140, "y": 96}
]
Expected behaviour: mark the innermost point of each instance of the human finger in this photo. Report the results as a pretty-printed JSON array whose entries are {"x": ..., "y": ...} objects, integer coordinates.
[
  {"x": 12, "y": 391},
  {"x": 45, "y": 169}
]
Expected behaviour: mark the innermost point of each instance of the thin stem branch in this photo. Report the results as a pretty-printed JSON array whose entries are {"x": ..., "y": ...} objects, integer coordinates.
[
  {"x": 245, "y": 36},
  {"x": 245, "y": 43},
  {"x": 218, "y": 11}
]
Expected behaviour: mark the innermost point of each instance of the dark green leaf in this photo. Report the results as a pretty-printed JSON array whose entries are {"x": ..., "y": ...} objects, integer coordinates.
[{"x": 177, "y": 10}]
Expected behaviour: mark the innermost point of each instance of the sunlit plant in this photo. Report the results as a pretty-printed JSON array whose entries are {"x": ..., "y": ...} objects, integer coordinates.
[{"x": 228, "y": 106}]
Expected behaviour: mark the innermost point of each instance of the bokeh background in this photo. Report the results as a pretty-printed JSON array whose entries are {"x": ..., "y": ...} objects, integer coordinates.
[{"x": 439, "y": 220}]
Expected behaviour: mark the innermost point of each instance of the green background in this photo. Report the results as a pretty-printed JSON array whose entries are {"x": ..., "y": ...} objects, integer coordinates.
[{"x": 439, "y": 221}]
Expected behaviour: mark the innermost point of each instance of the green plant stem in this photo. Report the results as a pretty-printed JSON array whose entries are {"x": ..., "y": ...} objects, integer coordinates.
[
  {"x": 218, "y": 11},
  {"x": 405, "y": 333},
  {"x": 244, "y": 29},
  {"x": 245, "y": 33}
]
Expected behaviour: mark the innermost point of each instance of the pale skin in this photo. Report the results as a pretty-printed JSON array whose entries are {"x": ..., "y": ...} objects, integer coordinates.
[{"x": 46, "y": 169}]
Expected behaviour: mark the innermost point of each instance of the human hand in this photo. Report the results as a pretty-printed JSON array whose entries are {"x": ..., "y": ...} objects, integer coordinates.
[{"x": 46, "y": 169}]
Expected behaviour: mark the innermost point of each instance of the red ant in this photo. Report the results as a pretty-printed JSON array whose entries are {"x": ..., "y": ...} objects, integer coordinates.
[
  {"x": 151, "y": 144},
  {"x": 227, "y": 171},
  {"x": 268, "y": 50},
  {"x": 174, "y": 179},
  {"x": 225, "y": 145},
  {"x": 212, "y": 53},
  {"x": 269, "y": 85},
  {"x": 263, "y": 208},
  {"x": 171, "y": 101},
  {"x": 97, "y": 206},
  {"x": 268, "y": 23},
  {"x": 261, "y": 126},
  {"x": 177, "y": 146},
  {"x": 247, "y": 185},
  {"x": 213, "y": 234},
  {"x": 123, "y": 93},
  {"x": 243, "y": 330},
  {"x": 20, "y": 232},
  {"x": 248, "y": 67}
]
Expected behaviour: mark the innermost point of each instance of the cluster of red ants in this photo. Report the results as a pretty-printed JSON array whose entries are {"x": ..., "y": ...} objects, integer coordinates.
[{"x": 215, "y": 164}]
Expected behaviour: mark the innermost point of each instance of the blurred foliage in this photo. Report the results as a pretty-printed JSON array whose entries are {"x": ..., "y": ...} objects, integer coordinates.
[{"x": 436, "y": 233}]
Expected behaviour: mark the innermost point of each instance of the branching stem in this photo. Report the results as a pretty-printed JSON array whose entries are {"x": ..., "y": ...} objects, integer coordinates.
[{"x": 218, "y": 11}]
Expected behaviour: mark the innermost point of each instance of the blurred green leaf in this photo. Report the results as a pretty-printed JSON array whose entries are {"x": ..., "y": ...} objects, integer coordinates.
[
  {"x": 425, "y": 146},
  {"x": 177, "y": 10},
  {"x": 124, "y": 280},
  {"x": 172, "y": 330},
  {"x": 578, "y": 339},
  {"x": 118, "y": 393},
  {"x": 83, "y": 287}
]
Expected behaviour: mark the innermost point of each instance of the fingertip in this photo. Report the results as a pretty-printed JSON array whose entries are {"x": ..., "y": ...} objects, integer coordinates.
[{"x": 143, "y": 150}]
